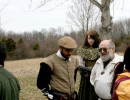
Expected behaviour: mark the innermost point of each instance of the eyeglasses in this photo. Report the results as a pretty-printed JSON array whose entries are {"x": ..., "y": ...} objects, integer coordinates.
[{"x": 104, "y": 49}]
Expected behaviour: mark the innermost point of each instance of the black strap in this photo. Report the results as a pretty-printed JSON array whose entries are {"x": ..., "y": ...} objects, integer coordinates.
[
  {"x": 54, "y": 92},
  {"x": 61, "y": 94}
]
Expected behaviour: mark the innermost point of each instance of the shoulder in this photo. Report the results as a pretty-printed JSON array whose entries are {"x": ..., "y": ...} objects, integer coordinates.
[
  {"x": 75, "y": 60},
  {"x": 81, "y": 49},
  {"x": 98, "y": 64},
  {"x": 50, "y": 58},
  {"x": 6, "y": 73},
  {"x": 99, "y": 61},
  {"x": 124, "y": 87},
  {"x": 118, "y": 58},
  {"x": 6, "y": 76}
]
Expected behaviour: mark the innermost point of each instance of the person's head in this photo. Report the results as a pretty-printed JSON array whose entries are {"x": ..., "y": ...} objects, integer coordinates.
[
  {"x": 121, "y": 66},
  {"x": 92, "y": 39},
  {"x": 106, "y": 50},
  {"x": 126, "y": 60},
  {"x": 2, "y": 54},
  {"x": 66, "y": 46}
]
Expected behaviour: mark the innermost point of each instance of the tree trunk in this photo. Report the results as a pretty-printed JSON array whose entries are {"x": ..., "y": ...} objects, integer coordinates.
[{"x": 106, "y": 19}]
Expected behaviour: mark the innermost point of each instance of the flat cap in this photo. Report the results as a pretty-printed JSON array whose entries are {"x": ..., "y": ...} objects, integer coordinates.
[{"x": 67, "y": 42}]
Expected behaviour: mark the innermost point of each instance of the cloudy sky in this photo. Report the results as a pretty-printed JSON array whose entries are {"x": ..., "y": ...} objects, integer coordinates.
[{"x": 18, "y": 16}]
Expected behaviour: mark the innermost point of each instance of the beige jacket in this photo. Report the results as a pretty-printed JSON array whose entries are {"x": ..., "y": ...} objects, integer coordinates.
[{"x": 63, "y": 73}]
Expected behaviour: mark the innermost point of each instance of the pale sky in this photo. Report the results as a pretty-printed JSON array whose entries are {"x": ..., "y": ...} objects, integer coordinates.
[{"x": 18, "y": 17}]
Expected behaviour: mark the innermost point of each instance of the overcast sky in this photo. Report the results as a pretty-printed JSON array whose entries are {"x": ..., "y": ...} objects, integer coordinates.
[{"x": 17, "y": 16}]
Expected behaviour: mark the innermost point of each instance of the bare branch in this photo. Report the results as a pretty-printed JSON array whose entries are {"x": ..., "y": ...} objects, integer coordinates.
[
  {"x": 45, "y": 2},
  {"x": 81, "y": 15},
  {"x": 112, "y": 0},
  {"x": 57, "y": 5},
  {"x": 96, "y": 3},
  {"x": 4, "y": 6}
]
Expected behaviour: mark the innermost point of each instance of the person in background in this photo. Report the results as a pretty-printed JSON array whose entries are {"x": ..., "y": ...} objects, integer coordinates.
[
  {"x": 121, "y": 81},
  {"x": 9, "y": 84},
  {"x": 88, "y": 54},
  {"x": 56, "y": 75},
  {"x": 102, "y": 72}
]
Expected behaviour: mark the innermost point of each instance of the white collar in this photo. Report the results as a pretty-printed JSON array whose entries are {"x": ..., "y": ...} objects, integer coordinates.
[{"x": 59, "y": 55}]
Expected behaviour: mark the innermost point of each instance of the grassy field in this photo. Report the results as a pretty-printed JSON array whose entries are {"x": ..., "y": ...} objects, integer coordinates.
[{"x": 26, "y": 71}]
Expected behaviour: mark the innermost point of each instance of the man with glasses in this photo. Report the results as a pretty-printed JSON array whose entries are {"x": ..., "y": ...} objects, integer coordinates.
[
  {"x": 56, "y": 75},
  {"x": 102, "y": 72}
]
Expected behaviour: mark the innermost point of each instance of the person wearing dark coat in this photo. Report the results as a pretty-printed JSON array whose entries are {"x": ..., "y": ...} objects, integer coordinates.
[
  {"x": 88, "y": 54},
  {"x": 9, "y": 84}
]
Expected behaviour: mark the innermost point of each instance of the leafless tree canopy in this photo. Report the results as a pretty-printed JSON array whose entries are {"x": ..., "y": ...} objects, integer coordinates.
[{"x": 83, "y": 15}]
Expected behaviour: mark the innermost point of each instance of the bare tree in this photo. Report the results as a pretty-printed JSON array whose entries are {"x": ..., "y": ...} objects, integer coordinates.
[
  {"x": 34, "y": 4},
  {"x": 83, "y": 15},
  {"x": 1, "y": 9},
  {"x": 106, "y": 18}
]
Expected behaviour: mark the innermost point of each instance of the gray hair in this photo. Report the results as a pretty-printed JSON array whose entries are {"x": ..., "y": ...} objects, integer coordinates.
[{"x": 111, "y": 44}]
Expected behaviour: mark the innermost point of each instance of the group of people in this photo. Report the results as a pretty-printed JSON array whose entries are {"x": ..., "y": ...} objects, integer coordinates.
[
  {"x": 107, "y": 76},
  {"x": 57, "y": 75}
]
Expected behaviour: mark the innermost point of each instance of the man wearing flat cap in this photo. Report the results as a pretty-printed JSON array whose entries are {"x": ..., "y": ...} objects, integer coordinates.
[{"x": 56, "y": 75}]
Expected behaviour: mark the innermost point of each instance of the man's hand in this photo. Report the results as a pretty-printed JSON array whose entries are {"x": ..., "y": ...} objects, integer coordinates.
[{"x": 45, "y": 92}]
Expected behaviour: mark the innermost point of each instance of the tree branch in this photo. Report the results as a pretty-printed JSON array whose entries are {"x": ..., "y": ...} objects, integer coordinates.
[
  {"x": 4, "y": 6},
  {"x": 112, "y": 0},
  {"x": 96, "y": 3},
  {"x": 46, "y": 1}
]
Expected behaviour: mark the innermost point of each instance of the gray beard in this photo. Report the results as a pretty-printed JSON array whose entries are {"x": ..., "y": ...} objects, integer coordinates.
[
  {"x": 108, "y": 57},
  {"x": 104, "y": 59}
]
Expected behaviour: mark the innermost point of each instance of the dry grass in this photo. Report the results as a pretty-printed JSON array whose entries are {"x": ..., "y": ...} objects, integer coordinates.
[
  {"x": 26, "y": 71},
  {"x": 24, "y": 67}
]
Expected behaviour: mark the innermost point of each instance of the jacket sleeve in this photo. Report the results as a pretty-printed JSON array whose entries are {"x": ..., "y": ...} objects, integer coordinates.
[
  {"x": 92, "y": 76},
  {"x": 44, "y": 76}
]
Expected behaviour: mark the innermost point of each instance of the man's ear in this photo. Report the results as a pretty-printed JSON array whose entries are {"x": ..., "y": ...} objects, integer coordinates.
[
  {"x": 113, "y": 50},
  {"x": 60, "y": 47}
]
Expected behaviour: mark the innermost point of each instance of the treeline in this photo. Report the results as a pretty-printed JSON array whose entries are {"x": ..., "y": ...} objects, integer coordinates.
[
  {"x": 33, "y": 44},
  {"x": 43, "y": 43}
]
